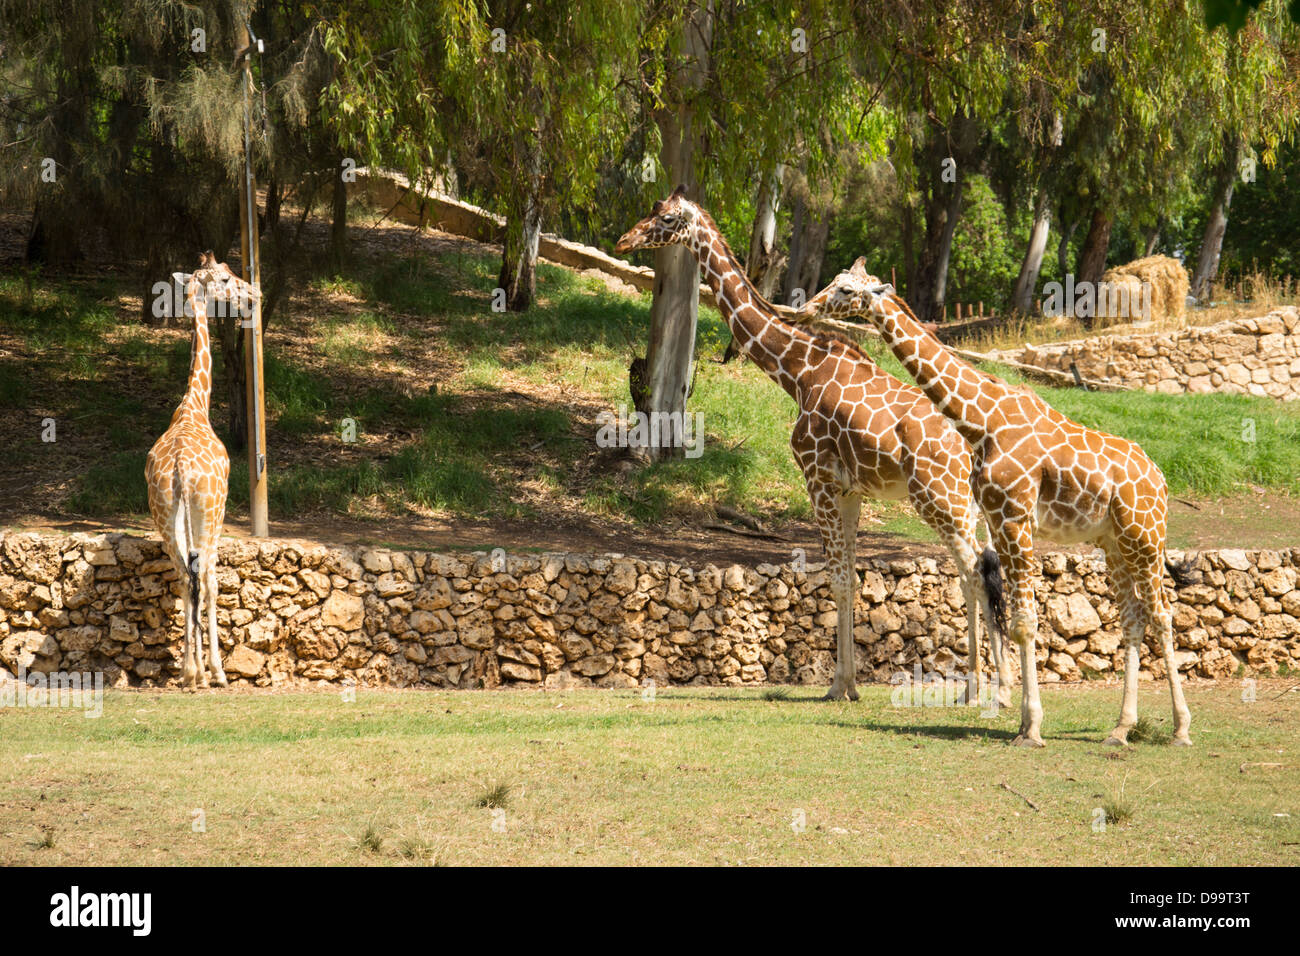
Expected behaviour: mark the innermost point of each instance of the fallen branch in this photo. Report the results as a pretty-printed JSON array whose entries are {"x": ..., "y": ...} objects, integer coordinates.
[
  {"x": 762, "y": 535},
  {"x": 1047, "y": 374},
  {"x": 731, "y": 514},
  {"x": 1007, "y": 788}
]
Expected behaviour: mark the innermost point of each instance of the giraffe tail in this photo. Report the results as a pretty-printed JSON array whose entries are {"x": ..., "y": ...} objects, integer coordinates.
[
  {"x": 184, "y": 532},
  {"x": 991, "y": 574}
]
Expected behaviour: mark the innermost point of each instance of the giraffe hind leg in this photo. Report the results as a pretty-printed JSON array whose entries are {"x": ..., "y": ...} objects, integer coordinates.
[
  {"x": 1134, "y": 624},
  {"x": 210, "y": 599},
  {"x": 181, "y": 558}
]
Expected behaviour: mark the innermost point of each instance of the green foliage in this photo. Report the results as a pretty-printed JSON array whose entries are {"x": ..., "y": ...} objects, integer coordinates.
[{"x": 1233, "y": 13}]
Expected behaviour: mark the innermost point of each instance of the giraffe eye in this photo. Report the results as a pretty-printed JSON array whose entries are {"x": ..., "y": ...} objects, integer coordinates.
[{"x": 669, "y": 220}]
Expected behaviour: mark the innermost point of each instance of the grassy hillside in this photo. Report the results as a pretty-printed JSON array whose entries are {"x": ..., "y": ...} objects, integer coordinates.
[{"x": 460, "y": 410}]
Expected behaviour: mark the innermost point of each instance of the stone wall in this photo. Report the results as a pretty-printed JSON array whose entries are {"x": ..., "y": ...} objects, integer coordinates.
[
  {"x": 291, "y": 612},
  {"x": 1255, "y": 356}
]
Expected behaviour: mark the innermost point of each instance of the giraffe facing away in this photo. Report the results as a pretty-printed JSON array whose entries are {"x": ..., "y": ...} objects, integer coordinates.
[
  {"x": 860, "y": 432},
  {"x": 188, "y": 472},
  {"x": 1036, "y": 470}
]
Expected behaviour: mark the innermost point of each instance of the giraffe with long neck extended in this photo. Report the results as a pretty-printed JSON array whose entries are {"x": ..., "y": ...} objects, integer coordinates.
[
  {"x": 1036, "y": 470},
  {"x": 860, "y": 432},
  {"x": 188, "y": 472}
]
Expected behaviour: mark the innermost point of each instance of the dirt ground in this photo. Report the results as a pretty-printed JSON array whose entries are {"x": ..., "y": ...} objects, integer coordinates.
[{"x": 1258, "y": 522}]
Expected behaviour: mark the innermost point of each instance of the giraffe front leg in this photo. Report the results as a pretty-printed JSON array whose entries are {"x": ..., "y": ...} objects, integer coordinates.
[{"x": 837, "y": 518}]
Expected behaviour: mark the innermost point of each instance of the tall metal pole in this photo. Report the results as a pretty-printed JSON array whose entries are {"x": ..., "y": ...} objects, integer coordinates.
[{"x": 255, "y": 393}]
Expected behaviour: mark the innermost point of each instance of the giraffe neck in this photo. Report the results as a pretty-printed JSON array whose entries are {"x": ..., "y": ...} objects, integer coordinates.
[
  {"x": 199, "y": 389},
  {"x": 779, "y": 349},
  {"x": 964, "y": 395}
]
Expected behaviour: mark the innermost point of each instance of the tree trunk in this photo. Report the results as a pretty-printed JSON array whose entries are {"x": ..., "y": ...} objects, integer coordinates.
[
  {"x": 665, "y": 383},
  {"x": 807, "y": 251},
  {"x": 523, "y": 234},
  {"x": 339, "y": 230},
  {"x": 1092, "y": 257},
  {"x": 232, "y": 358},
  {"x": 942, "y": 209},
  {"x": 1063, "y": 249},
  {"x": 764, "y": 263},
  {"x": 1207, "y": 263},
  {"x": 1022, "y": 296},
  {"x": 908, "y": 216},
  {"x": 274, "y": 199},
  {"x": 1153, "y": 237}
]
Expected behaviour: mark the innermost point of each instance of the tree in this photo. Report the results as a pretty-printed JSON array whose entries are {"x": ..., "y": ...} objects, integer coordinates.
[
  {"x": 524, "y": 93},
  {"x": 711, "y": 71},
  {"x": 1252, "y": 98}
]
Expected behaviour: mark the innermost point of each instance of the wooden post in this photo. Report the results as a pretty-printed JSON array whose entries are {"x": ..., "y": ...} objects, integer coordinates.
[
  {"x": 255, "y": 390},
  {"x": 893, "y": 278},
  {"x": 958, "y": 312}
]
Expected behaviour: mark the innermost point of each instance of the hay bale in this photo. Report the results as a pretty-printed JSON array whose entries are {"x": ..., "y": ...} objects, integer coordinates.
[{"x": 1119, "y": 294}]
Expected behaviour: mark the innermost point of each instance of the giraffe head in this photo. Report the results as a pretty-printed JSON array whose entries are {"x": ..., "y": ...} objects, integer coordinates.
[
  {"x": 671, "y": 220},
  {"x": 853, "y": 292},
  {"x": 217, "y": 282}
]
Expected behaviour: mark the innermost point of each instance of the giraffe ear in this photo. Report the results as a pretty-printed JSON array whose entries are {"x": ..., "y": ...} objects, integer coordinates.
[
  {"x": 680, "y": 190},
  {"x": 657, "y": 208},
  {"x": 860, "y": 266}
]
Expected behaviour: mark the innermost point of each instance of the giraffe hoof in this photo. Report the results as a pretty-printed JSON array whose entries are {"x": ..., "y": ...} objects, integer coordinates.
[
  {"x": 221, "y": 681},
  {"x": 1183, "y": 740},
  {"x": 1027, "y": 740},
  {"x": 1114, "y": 740},
  {"x": 837, "y": 693}
]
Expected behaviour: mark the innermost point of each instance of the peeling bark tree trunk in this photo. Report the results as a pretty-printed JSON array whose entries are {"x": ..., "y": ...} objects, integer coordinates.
[
  {"x": 764, "y": 263},
  {"x": 1022, "y": 296},
  {"x": 807, "y": 251},
  {"x": 942, "y": 209},
  {"x": 661, "y": 383},
  {"x": 1207, "y": 262},
  {"x": 1092, "y": 257},
  {"x": 941, "y": 225},
  {"x": 523, "y": 234}
]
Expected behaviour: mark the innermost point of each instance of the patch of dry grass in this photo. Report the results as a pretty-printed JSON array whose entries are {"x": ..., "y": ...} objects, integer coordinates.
[{"x": 700, "y": 775}]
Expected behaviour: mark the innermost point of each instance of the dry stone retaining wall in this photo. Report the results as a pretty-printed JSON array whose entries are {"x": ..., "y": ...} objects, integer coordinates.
[
  {"x": 292, "y": 612},
  {"x": 1255, "y": 356}
]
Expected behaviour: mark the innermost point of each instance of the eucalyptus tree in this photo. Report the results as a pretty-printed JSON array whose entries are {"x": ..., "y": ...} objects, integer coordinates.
[
  {"x": 1251, "y": 99},
  {"x": 525, "y": 94},
  {"x": 735, "y": 90},
  {"x": 944, "y": 68}
]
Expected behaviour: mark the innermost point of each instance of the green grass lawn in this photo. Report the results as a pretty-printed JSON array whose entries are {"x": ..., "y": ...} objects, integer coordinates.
[
  {"x": 707, "y": 775},
  {"x": 467, "y": 450}
]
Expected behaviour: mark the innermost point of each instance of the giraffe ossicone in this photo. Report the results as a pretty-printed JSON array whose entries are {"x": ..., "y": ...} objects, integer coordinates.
[
  {"x": 860, "y": 433},
  {"x": 1034, "y": 469}
]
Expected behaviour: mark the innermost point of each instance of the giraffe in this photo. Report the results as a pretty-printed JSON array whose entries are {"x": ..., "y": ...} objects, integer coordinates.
[
  {"x": 1034, "y": 469},
  {"x": 188, "y": 472},
  {"x": 859, "y": 432}
]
